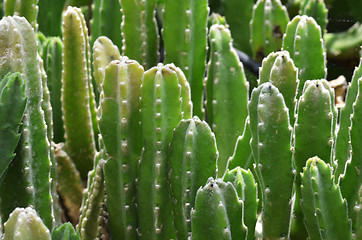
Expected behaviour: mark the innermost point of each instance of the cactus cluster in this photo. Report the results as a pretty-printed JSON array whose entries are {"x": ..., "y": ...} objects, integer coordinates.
[{"x": 142, "y": 119}]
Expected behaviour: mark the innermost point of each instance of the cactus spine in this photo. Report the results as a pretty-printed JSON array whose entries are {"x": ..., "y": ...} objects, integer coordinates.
[
  {"x": 119, "y": 122},
  {"x": 226, "y": 94},
  {"x": 191, "y": 161},
  {"x": 185, "y": 46},
  {"x": 165, "y": 101}
]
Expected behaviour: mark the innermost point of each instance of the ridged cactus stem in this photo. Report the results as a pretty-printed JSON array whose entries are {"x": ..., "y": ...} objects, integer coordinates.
[
  {"x": 191, "y": 161},
  {"x": 22, "y": 8},
  {"x": 78, "y": 126},
  {"x": 185, "y": 46},
  {"x": 139, "y": 31},
  {"x": 119, "y": 122},
  {"x": 165, "y": 101},
  {"x": 318, "y": 10},
  {"x": 33, "y": 154},
  {"x": 226, "y": 94}
]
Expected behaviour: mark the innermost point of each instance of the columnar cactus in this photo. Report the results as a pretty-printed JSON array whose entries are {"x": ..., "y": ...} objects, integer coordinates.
[
  {"x": 268, "y": 24},
  {"x": 31, "y": 166},
  {"x": 191, "y": 161},
  {"x": 119, "y": 123},
  {"x": 316, "y": 9},
  {"x": 65, "y": 232},
  {"x": 165, "y": 101},
  {"x": 50, "y": 17},
  {"x": 271, "y": 131},
  {"x": 226, "y": 94},
  {"x": 185, "y": 46},
  {"x": 22, "y": 8}
]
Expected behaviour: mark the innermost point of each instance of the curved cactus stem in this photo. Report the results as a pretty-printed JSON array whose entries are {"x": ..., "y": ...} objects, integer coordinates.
[
  {"x": 106, "y": 21},
  {"x": 104, "y": 51},
  {"x": 268, "y": 24},
  {"x": 279, "y": 69},
  {"x": 226, "y": 94},
  {"x": 218, "y": 212},
  {"x": 351, "y": 180},
  {"x": 19, "y": 40},
  {"x": 22, "y": 8},
  {"x": 119, "y": 118},
  {"x": 185, "y": 46},
  {"x": 246, "y": 188},
  {"x": 139, "y": 31},
  {"x": 12, "y": 107},
  {"x": 271, "y": 132},
  {"x": 76, "y": 105},
  {"x": 325, "y": 212},
  {"x": 192, "y": 159},
  {"x": 316, "y": 9},
  {"x": 303, "y": 41},
  {"x": 163, "y": 107},
  {"x": 25, "y": 224},
  {"x": 65, "y": 232}
]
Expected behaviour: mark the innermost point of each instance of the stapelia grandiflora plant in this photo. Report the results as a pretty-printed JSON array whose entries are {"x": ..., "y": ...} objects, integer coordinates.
[{"x": 180, "y": 119}]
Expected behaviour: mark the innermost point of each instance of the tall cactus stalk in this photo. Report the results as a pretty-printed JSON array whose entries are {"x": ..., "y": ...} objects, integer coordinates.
[
  {"x": 22, "y": 8},
  {"x": 76, "y": 106},
  {"x": 271, "y": 132},
  {"x": 30, "y": 171},
  {"x": 139, "y": 31},
  {"x": 165, "y": 101},
  {"x": 191, "y": 161},
  {"x": 185, "y": 46},
  {"x": 226, "y": 94},
  {"x": 119, "y": 118}
]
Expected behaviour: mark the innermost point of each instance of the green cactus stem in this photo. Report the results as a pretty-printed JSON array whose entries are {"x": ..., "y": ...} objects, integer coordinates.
[
  {"x": 268, "y": 24},
  {"x": 50, "y": 17},
  {"x": 24, "y": 224},
  {"x": 76, "y": 107},
  {"x": 246, "y": 188},
  {"x": 106, "y": 21},
  {"x": 324, "y": 209},
  {"x": 271, "y": 132},
  {"x": 22, "y": 8},
  {"x": 303, "y": 40},
  {"x": 119, "y": 118},
  {"x": 12, "y": 106},
  {"x": 226, "y": 94},
  {"x": 165, "y": 101},
  {"x": 31, "y": 176},
  {"x": 65, "y": 232},
  {"x": 279, "y": 69},
  {"x": 139, "y": 31},
  {"x": 185, "y": 45},
  {"x": 191, "y": 161},
  {"x": 218, "y": 212},
  {"x": 351, "y": 180},
  {"x": 104, "y": 51},
  {"x": 316, "y": 9}
]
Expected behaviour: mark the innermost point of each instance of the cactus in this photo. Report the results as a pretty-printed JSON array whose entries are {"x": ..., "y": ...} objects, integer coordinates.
[
  {"x": 119, "y": 118},
  {"x": 25, "y": 224},
  {"x": 185, "y": 46},
  {"x": 271, "y": 131},
  {"x": 12, "y": 106},
  {"x": 218, "y": 212},
  {"x": 318, "y": 10},
  {"x": 50, "y": 17},
  {"x": 268, "y": 24},
  {"x": 191, "y": 161},
  {"x": 23, "y": 8},
  {"x": 324, "y": 209},
  {"x": 226, "y": 94},
  {"x": 33, "y": 152},
  {"x": 303, "y": 41},
  {"x": 165, "y": 101},
  {"x": 139, "y": 31},
  {"x": 65, "y": 232},
  {"x": 76, "y": 106}
]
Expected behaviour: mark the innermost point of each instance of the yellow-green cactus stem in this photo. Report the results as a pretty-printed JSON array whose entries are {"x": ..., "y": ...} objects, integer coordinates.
[
  {"x": 119, "y": 123},
  {"x": 268, "y": 24},
  {"x": 185, "y": 45},
  {"x": 76, "y": 106},
  {"x": 324, "y": 209},
  {"x": 191, "y": 161},
  {"x": 65, "y": 232},
  {"x": 226, "y": 94},
  {"x": 165, "y": 100},
  {"x": 22, "y": 8}
]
